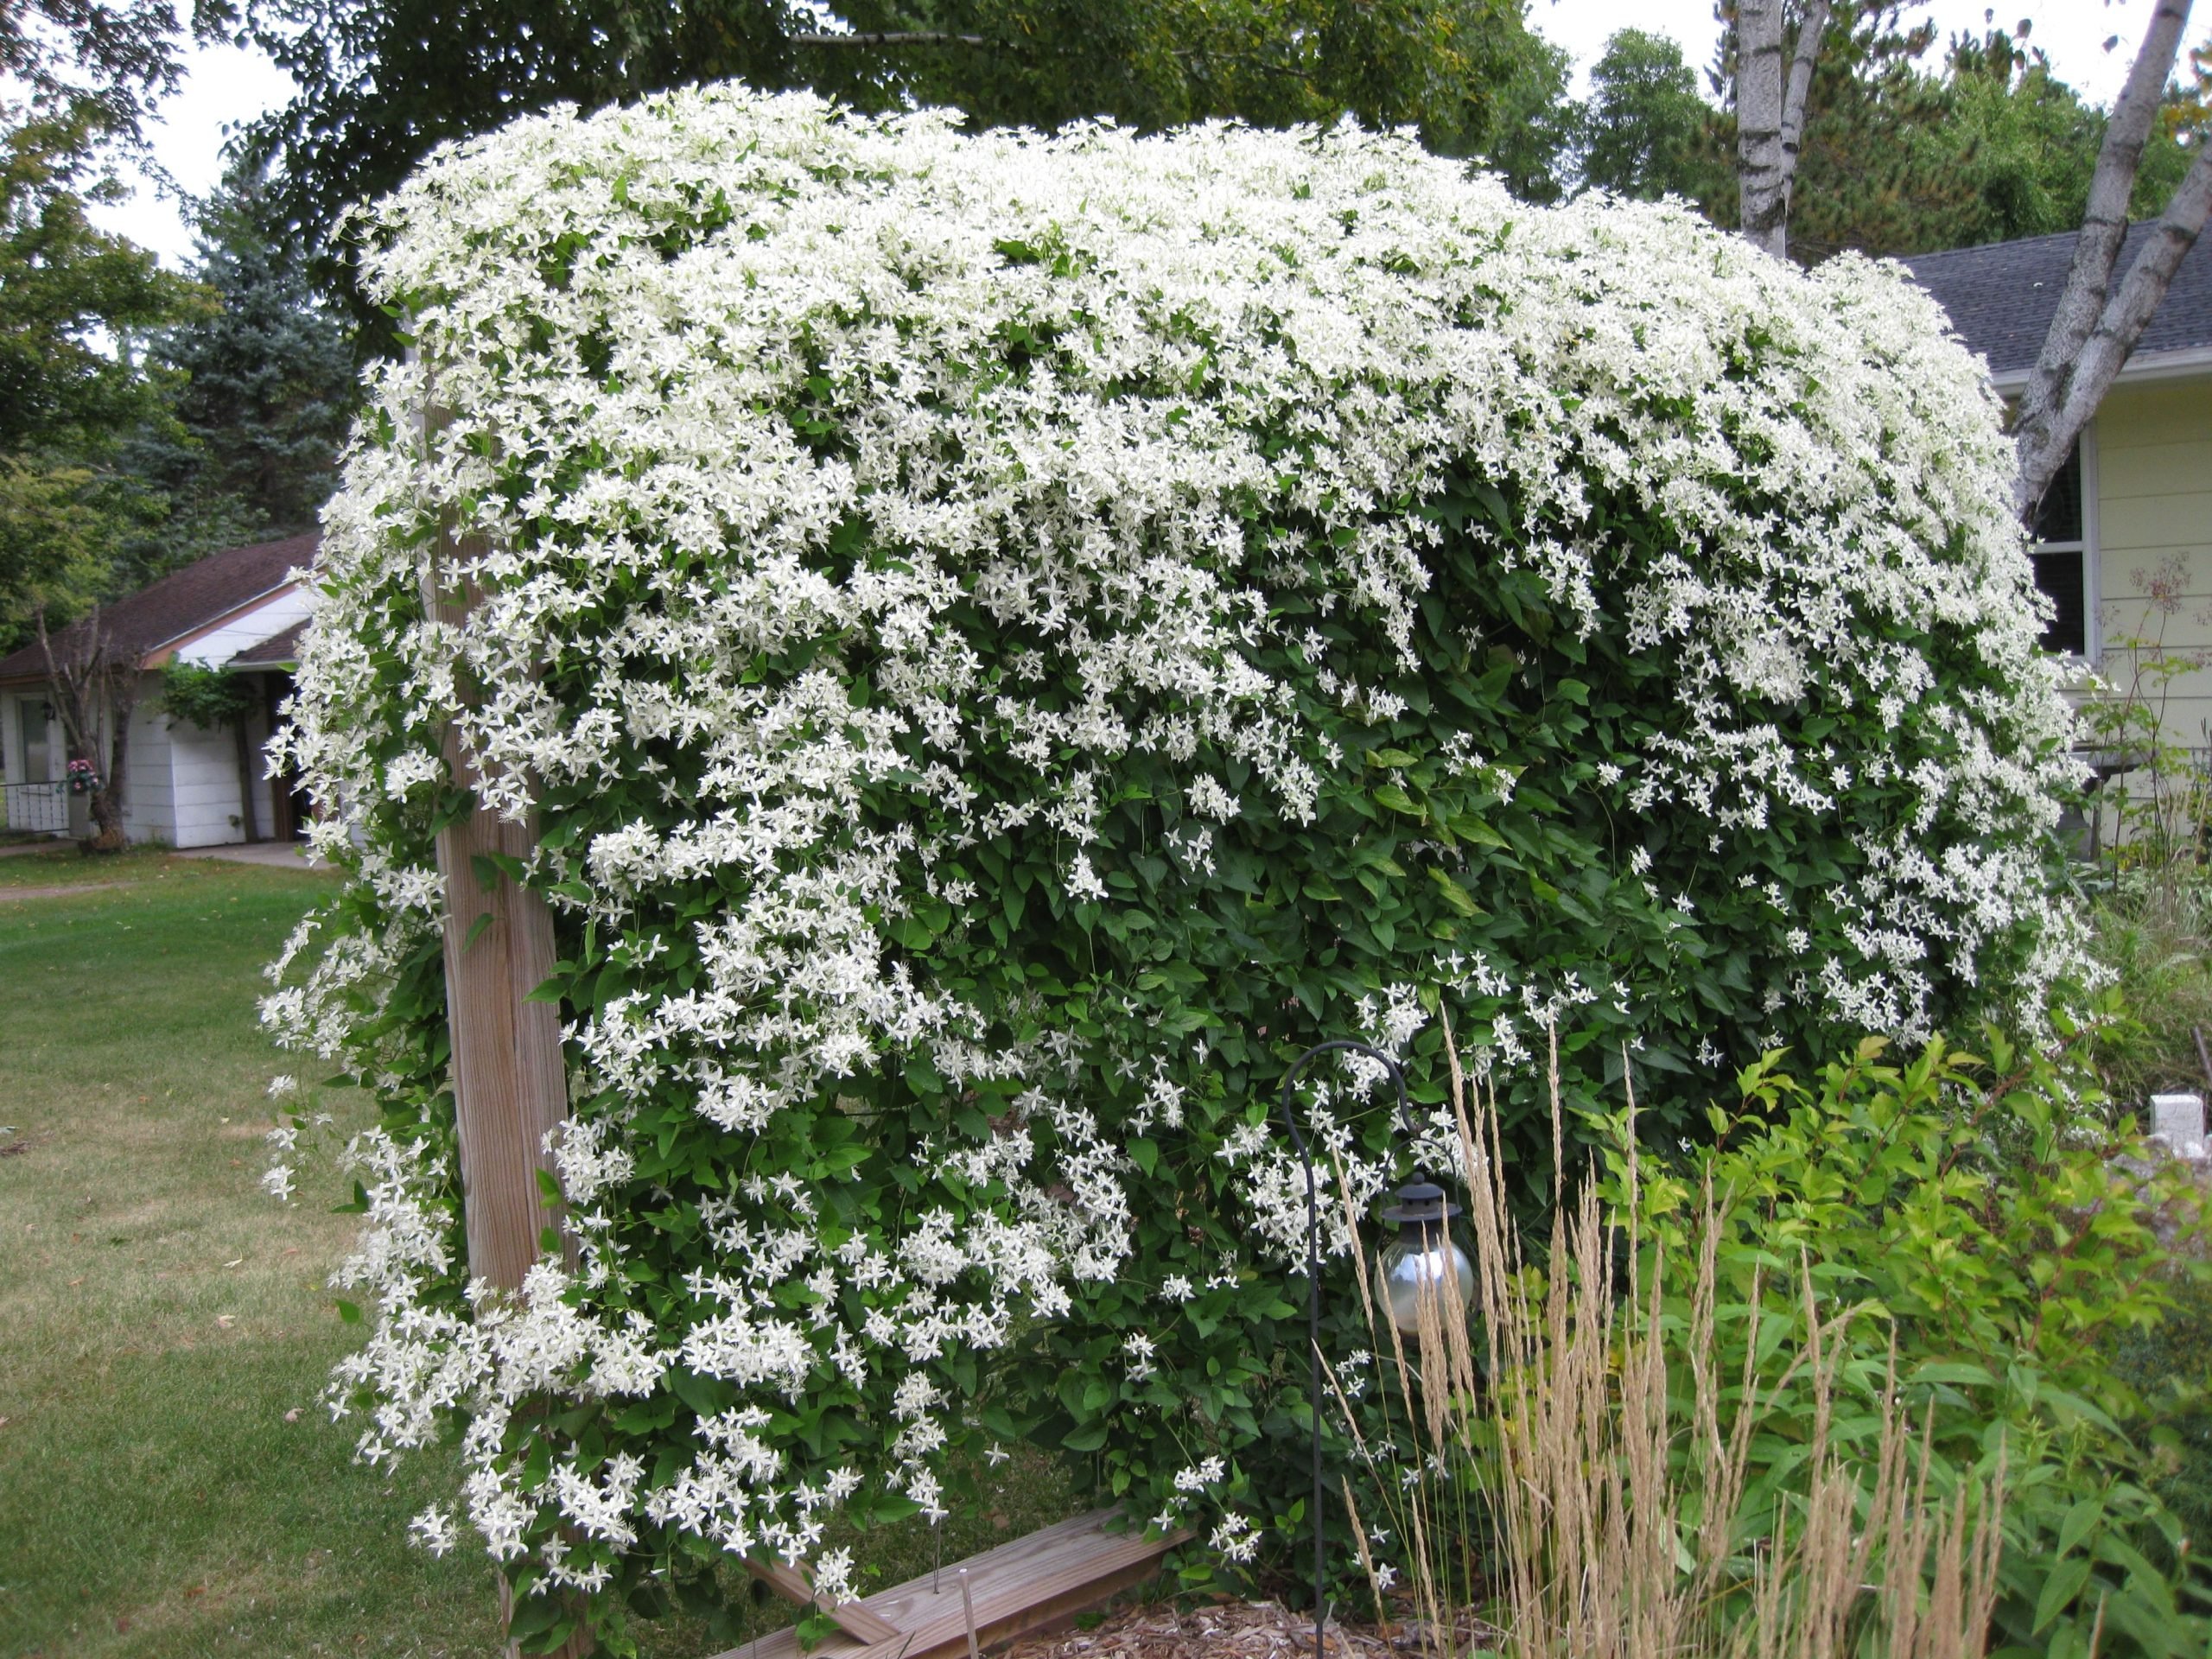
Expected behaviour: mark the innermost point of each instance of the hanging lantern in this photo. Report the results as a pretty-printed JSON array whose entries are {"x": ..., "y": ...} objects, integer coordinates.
[{"x": 1422, "y": 1265}]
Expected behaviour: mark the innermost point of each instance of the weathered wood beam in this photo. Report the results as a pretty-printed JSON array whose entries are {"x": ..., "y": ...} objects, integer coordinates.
[
  {"x": 1026, "y": 1585},
  {"x": 850, "y": 1617}
]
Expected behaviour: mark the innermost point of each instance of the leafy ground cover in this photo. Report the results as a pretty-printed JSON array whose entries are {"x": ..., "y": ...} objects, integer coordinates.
[{"x": 169, "y": 1484}]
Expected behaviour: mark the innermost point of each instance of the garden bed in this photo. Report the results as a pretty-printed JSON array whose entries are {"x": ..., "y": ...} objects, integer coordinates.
[{"x": 1224, "y": 1628}]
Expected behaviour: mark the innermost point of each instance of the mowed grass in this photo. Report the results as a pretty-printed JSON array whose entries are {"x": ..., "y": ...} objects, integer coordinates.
[
  {"x": 61, "y": 864},
  {"x": 170, "y": 1482}
]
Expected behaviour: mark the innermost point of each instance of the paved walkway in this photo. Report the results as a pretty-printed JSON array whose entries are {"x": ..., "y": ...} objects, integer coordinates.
[{"x": 279, "y": 855}]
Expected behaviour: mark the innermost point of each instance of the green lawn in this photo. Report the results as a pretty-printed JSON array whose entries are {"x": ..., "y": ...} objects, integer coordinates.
[
  {"x": 168, "y": 1482},
  {"x": 169, "y": 1485},
  {"x": 60, "y": 864}
]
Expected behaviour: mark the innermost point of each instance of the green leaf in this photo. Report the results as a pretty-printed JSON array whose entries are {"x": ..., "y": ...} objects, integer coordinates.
[
  {"x": 349, "y": 1311},
  {"x": 2059, "y": 1590},
  {"x": 2078, "y": 1523},
  {"x": 1454, "y": 894},
  {"x": 1397, "y": 800},
  {"x": 1953, "y": 1370}
]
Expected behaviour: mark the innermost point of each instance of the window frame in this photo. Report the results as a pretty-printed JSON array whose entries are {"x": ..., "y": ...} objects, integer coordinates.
[{"x": 2092, "y": 583}]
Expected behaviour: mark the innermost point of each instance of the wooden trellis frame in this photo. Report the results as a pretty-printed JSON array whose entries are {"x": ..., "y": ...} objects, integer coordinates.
[{"x": 510, "y": 1084}]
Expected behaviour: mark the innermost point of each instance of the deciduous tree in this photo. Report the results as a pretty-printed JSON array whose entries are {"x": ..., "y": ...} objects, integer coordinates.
[
  {"x": 1774, "y": 77},
  {"x": 381, "y": 85},
  {"x": 95, "y": 683},
  {"x": 115, "y": 56},
  {"x": 75, "y": 306},
  {"x": 1644, "y": 131}
]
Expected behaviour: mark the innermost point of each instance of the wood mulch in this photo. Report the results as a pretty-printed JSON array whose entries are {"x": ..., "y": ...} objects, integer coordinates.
[{"x": 1226, "y": 1630}]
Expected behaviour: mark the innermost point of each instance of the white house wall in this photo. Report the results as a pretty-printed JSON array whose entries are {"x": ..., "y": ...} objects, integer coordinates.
[
  {"x": 11, "y": 748},
  {"x": 2153, "y": 503},
  {"x": 148, "y": 811}
]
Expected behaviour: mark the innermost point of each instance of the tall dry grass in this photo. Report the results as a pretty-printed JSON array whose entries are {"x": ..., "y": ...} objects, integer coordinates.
[{"x": 1571, "y": 1482}]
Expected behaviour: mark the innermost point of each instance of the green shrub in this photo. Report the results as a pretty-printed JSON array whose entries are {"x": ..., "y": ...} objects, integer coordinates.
[
  {"x": 1993, "y": 1260},
  {"x": 210, "y": 698}
]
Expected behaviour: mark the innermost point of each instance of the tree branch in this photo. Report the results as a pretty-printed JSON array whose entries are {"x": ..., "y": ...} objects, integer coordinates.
[
  {"x": 2081, "y": 303},
  {"x": 1800, "y": 85},
  {"x": 892, "y": 37},
  {"x": 2121, "y": 323}
]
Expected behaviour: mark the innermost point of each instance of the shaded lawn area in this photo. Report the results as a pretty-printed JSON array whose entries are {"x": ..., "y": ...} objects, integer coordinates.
[
  {"x": 170, "y": 1482},
  {"x": 163, "y": 1317}
]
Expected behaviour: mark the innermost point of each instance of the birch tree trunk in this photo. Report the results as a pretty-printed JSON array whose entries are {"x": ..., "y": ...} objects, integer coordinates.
[
  {"x": 1772, "y": 83},
  {"x": 2096, "y": 324}
]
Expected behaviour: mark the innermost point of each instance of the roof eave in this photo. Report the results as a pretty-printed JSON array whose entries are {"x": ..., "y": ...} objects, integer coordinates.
[{"x": 2177, "y": 364}]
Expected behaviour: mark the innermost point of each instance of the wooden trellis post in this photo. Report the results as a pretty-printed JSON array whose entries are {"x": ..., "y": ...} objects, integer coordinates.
[{"x": 510, "y": 1079}]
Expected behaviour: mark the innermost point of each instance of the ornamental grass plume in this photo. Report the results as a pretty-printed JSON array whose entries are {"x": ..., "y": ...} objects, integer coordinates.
[{"x": 1551, "y": 1512}]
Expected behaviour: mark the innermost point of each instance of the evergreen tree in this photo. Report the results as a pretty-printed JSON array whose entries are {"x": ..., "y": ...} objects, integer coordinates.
[{"x": 264, "y": 390}]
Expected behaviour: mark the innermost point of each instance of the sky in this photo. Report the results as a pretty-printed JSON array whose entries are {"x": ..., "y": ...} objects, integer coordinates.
[
  {"x": 2072, "y": 31},
  {"x": 226, "y": 87}
]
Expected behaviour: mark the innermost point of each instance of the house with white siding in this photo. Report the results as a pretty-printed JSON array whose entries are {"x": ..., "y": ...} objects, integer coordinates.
[
  {"x": 2124, "y": 534},
  {"x": 242, "y": 610}
]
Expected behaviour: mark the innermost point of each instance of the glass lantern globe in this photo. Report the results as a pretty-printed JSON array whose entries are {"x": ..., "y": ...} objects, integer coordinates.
[{"x": 1422, "y": 1264}]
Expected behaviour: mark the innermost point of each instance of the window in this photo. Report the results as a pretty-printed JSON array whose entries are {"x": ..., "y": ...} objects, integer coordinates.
[
  {"x": 37, "y": 758},
  {"x": 2061, "y": 559}
]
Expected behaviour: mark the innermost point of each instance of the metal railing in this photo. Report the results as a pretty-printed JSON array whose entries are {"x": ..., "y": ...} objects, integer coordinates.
[{"x": 31, "y": 808}]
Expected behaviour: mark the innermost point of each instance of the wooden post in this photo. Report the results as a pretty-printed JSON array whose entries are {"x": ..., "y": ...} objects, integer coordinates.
[{"x": 510, "y": 1078}]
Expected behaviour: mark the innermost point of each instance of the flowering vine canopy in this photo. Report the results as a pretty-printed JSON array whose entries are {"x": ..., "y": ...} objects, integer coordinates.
[{"x": 1005, "y": 639}]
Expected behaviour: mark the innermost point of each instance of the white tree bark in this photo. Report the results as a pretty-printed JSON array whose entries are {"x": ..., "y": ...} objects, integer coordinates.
[
  {"x": 1770, "y": 97},
  {"x": 2096, "y": 326}
]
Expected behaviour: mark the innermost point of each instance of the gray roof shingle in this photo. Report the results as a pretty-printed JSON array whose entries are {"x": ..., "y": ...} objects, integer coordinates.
[
  {"x": 185, "y": 599},
  {"x": 2001, "y": 296}
]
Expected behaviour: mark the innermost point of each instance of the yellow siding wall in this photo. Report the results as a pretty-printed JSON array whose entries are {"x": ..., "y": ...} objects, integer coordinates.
[{"x": 2152, "y": 490}]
